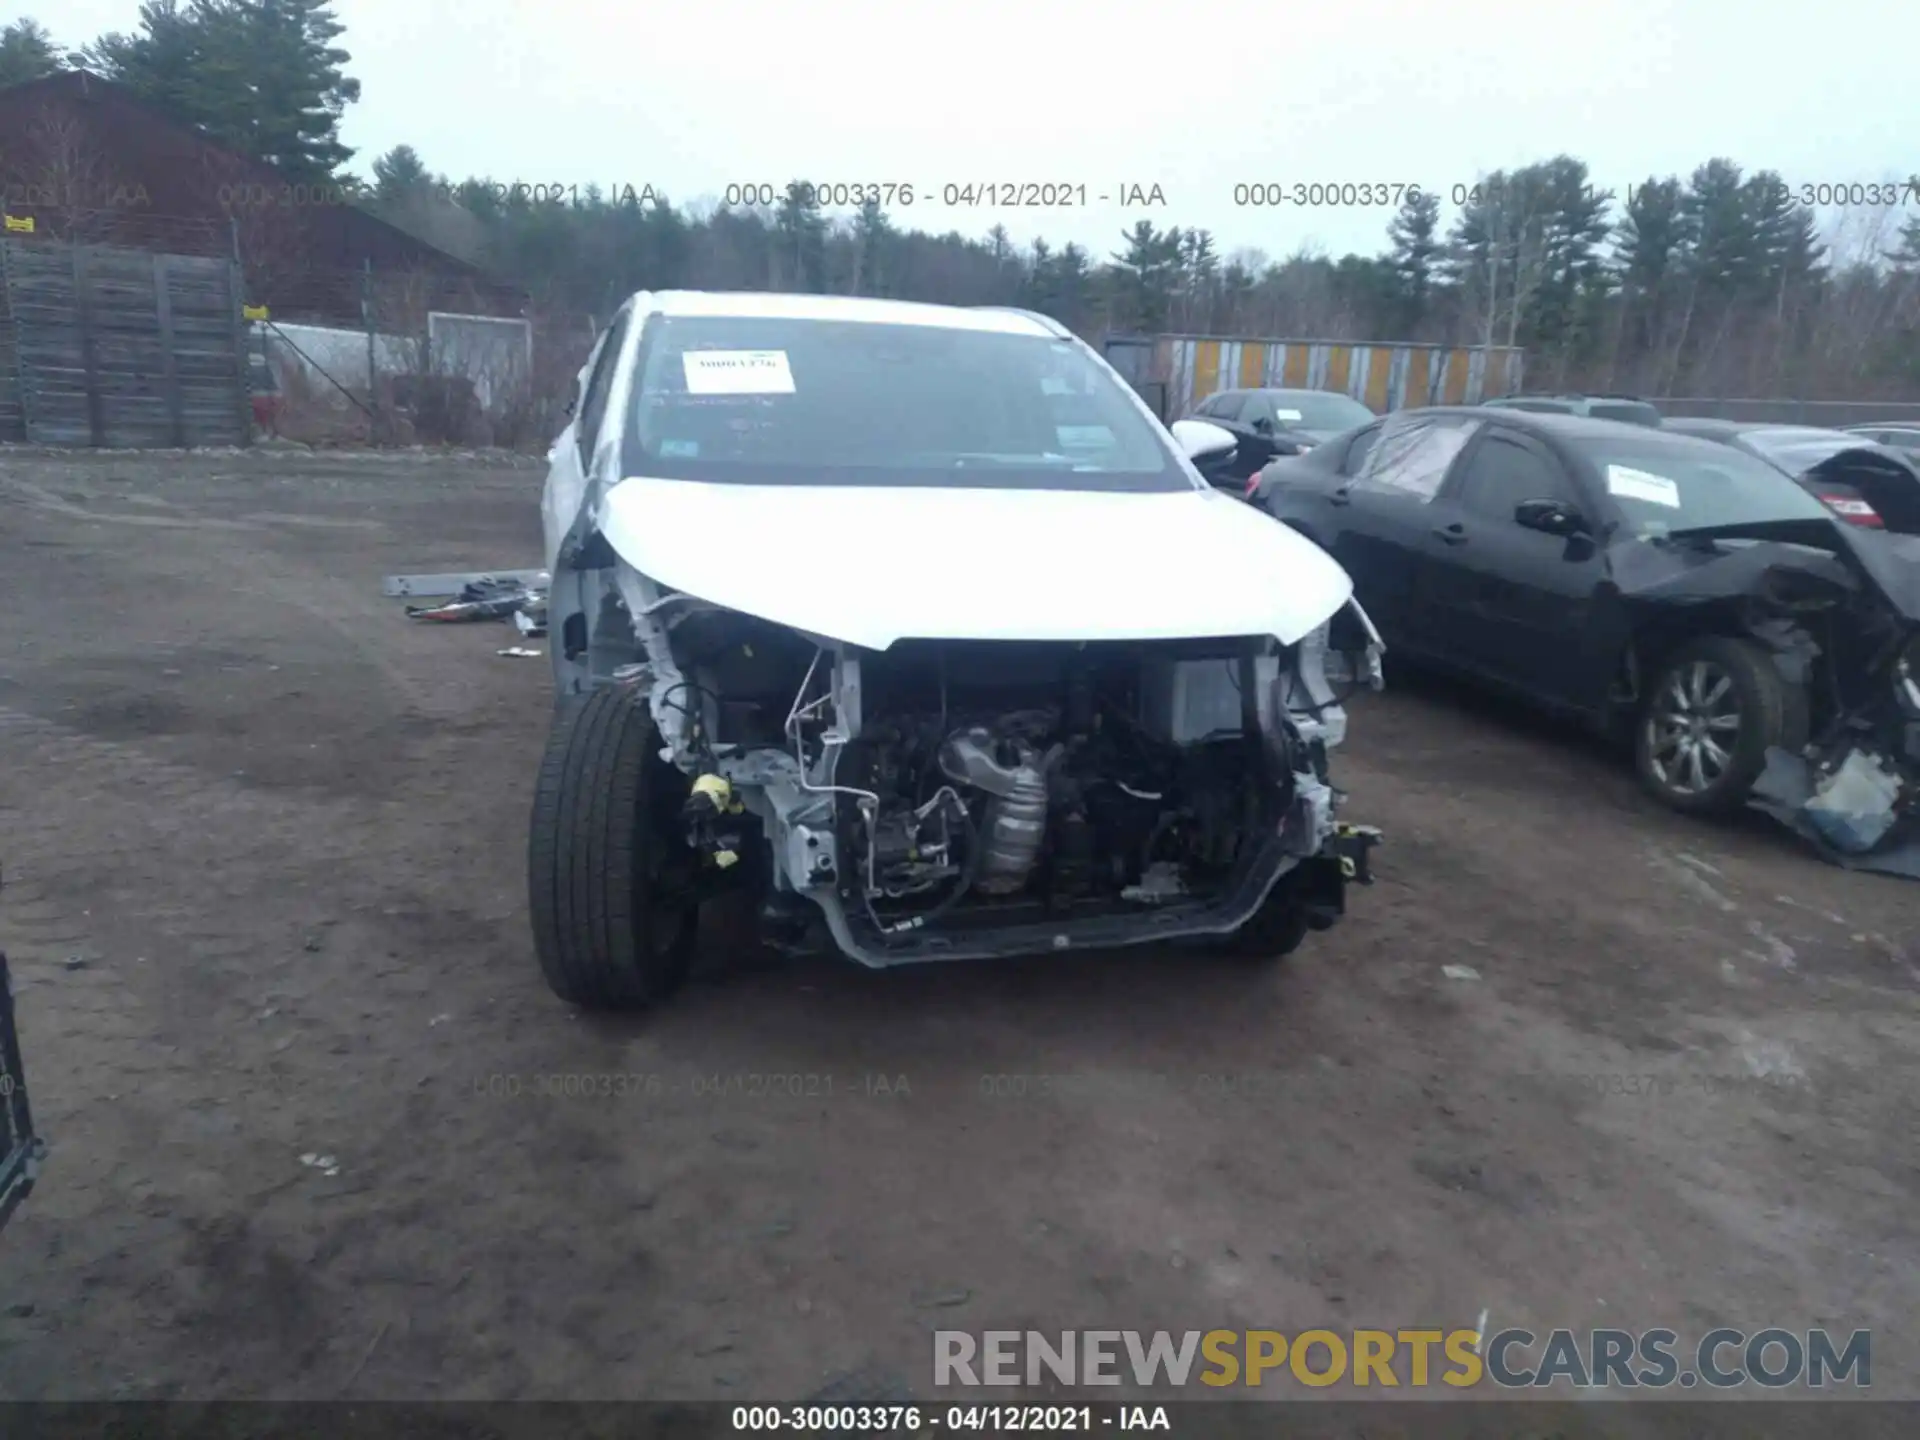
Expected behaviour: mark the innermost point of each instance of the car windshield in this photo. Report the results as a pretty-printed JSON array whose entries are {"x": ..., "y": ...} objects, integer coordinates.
[
  {"x": 1797, "y": 450},
  {"x": 1318, "y": 410},
  {"x": 784, "y": 401},
  {"x": 1661, "y": 487}
]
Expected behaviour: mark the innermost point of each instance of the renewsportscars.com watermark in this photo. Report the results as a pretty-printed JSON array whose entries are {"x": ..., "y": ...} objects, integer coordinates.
[{"x": 1772, "y": 1358}]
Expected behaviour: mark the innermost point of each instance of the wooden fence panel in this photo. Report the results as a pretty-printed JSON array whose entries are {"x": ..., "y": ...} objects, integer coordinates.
[{"x": 120, "y": 348}]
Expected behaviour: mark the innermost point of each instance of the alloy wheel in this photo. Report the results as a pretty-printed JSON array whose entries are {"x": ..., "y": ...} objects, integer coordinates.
[{"x": 1692, "y": 727}]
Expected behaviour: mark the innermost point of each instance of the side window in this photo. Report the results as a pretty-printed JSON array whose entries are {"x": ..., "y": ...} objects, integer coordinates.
[
  {"x": 1358, "y": 447},
  {"x": 1227, "y": 407},
  {"x": 1257, "y": 408},
  {"x": 1503, "y": 472},
  {"x": 1415, "y": 455},
  {"x": 593, "y": 405}
]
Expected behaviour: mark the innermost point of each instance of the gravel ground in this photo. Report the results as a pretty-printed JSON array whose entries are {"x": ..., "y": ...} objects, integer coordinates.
[{"x": 263, "y": 843}]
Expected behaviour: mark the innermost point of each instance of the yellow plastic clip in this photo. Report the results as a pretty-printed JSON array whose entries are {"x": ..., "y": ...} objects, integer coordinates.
[
  {"x": 717, "y": 790},
  {"x": 725, "y": 858}
]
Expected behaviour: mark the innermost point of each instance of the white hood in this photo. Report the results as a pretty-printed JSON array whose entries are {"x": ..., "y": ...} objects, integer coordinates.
[{"x": 871, "y": 565}]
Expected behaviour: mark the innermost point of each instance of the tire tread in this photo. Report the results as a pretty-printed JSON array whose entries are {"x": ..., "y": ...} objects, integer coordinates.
[{"x": 588, "y": 858}]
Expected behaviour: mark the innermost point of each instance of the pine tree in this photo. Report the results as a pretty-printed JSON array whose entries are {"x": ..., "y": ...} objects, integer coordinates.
[
  {"x": 262, "y": 77},
  {"x": 872, "y": 234},
  {"x": 400, "y": 173},
  {"x": 1149, "y": 268},
  {"x": 27, "y": 52},
  {"x": 1414, "y": 234},
  {"x": 801, "y": 231}
]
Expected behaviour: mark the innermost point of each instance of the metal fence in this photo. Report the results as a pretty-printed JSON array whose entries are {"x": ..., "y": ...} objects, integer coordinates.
[
  {"x": 1830, "y": 414},
  {"x": 442, "y": 379},
  {"x": 101, "y": 346}
]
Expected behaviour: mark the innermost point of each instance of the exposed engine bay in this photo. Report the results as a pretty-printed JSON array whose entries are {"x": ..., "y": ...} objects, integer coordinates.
[
  {"x": 1839, "y": 608},
  {"x": 958, "y": 798},
  {"x": 1138, "y": 783}
]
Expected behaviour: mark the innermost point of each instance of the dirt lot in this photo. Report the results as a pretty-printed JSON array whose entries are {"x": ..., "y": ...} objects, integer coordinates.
[{"x": 263, "y": 844}]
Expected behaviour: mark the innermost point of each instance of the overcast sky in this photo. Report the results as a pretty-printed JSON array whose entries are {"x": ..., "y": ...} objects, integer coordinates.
[{"x": 691, "y": 97}]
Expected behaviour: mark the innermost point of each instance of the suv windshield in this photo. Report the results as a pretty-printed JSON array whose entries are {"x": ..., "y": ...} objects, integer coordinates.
[
  {"x": 1318, "y": 410},
  {"x": 783, "y": 401},
  {"x": 1680, "y": 485}
]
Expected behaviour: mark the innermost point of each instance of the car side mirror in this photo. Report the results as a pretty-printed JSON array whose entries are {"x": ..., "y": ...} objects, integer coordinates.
[
  {"x": 1263, "y": 425},
  {"x": 1549, "y": 517},
  {"x": 1199, "y": 440}
]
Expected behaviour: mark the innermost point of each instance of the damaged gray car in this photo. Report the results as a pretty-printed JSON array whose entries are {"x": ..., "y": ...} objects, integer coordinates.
[{"x": 1753, "y": 646}]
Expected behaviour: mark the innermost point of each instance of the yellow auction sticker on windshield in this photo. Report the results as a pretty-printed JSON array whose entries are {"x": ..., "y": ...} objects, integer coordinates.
[
  {"x": 1631, "y": 484},
  {"x": 737, "y": 372}
]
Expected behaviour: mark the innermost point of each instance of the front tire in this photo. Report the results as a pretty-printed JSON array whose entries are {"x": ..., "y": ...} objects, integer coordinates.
[
  {"x": 1713, "y": 711},
  {"x": 609, "y": 881}
]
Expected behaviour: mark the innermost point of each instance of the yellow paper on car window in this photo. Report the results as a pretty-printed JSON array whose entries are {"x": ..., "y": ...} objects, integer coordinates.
[{"x": 1631, "y": 484}]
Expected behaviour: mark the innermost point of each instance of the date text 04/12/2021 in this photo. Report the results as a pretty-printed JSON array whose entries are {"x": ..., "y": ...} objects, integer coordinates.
[{"x": 911, "y": 1419}]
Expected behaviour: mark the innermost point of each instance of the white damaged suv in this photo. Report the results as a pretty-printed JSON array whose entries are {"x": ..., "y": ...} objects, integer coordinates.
[{"x": 915, "y": 623}]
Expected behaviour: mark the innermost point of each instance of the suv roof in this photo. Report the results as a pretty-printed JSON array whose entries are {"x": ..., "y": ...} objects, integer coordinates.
[
  {"x": 1273, "y": 390},
  {"x": 770, "y": 305},
  {"x": 1564, "y": 423},
  {"x": 1719, "y": 429},
  {"x": 1630, "y": 408}
]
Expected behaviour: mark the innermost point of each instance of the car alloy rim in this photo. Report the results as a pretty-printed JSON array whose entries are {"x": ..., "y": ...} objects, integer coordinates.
[{"x": 1692, "y": 727}]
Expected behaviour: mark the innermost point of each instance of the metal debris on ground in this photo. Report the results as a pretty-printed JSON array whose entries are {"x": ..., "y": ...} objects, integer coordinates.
[
  {"x": 521, "y": 652},
  {"x": 1848, "y": 812},
  {"x": 491, "y": 598},
  {"x": 417, "y": 587},
  {"x": 1459, "y": 972}
]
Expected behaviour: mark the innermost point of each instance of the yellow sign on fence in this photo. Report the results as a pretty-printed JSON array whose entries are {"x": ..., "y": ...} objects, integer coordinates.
[
  {"x": 253, "y": 312},
  {"x": 20, "y": 224}
]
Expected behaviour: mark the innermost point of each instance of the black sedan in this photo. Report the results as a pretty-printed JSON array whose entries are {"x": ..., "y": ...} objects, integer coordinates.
[
  {"x": 1859, "y": 479},
  {"x": 1657, "y": 585},
  {"x": 1270, "y": 423}
]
